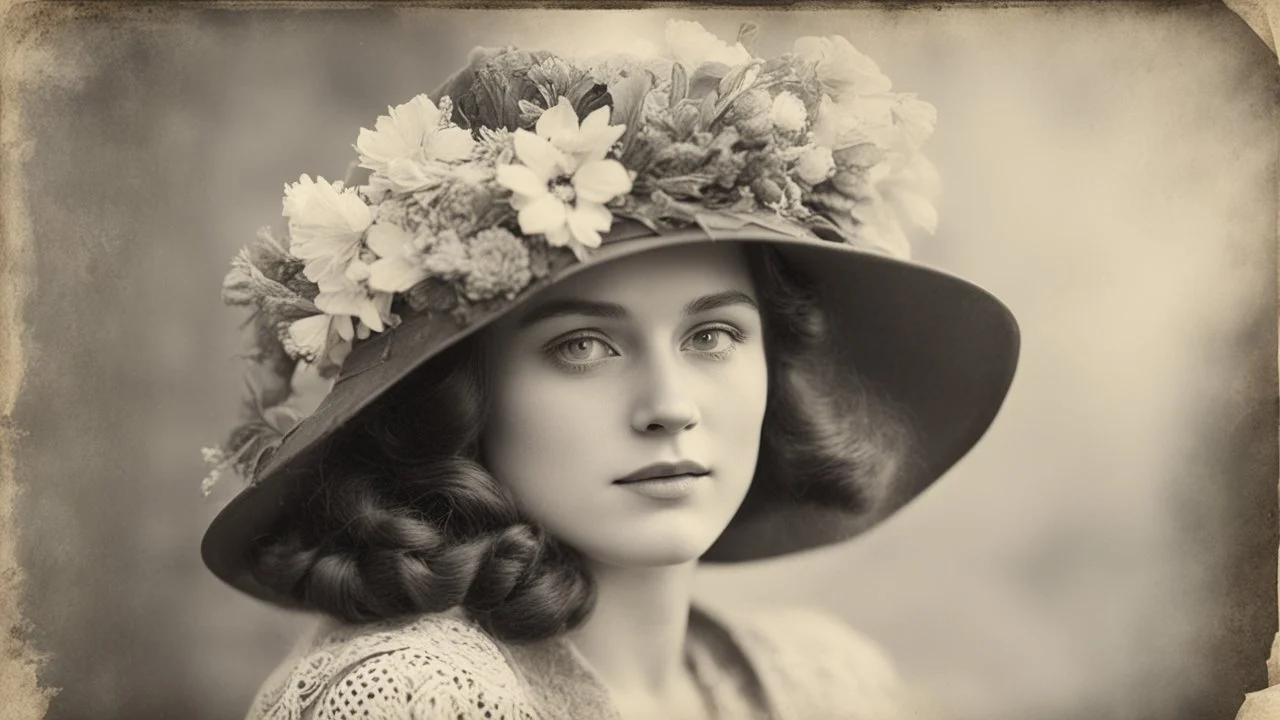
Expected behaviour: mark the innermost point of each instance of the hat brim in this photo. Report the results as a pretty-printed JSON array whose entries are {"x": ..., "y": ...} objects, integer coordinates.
[{"x": 938, "y": 346}]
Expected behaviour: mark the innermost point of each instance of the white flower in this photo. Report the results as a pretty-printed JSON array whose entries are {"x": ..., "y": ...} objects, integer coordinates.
[
  {"x": 348, "y": 294},
  {"x": 415, "y": 129},
  {"x": 411, "y": 146},
  {"x": 692, "y": 45},
  {"x": 399, "y": 265},
  {"x": 349, "y": 312},
  {"x": 218, "y": 460},
  {"x": 815, "y": 165},
  {"x": 908, "y": 189},
  {"x": 788, "y": 112},
  {"x": 320, "y": 338},
  {"x": 564, "y": 181},
  {"x": 916, "y": 119},
  {"x": 326, "y": 225},
  {"x": 841, "y": 68},
  {"x": 856, "y": 119}
]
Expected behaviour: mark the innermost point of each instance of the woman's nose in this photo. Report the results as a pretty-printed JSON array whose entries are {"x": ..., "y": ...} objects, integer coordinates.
[{"x": 664, "y": 403}]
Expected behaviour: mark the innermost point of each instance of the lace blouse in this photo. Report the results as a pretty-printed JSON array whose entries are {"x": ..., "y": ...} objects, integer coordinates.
[{"x": 771, "y": 665}]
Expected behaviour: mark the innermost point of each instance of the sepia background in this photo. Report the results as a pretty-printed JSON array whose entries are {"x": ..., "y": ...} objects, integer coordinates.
[{"x": 1107, "y": 551}]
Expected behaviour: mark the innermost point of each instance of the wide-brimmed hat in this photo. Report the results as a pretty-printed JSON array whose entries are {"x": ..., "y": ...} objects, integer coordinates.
[{"x": 527, "y": 168}]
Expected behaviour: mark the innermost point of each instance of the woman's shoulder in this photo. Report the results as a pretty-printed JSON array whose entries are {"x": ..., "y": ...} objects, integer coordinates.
[
  {"x": 432, "y": 666},
  {"x": 819, "y": 635},
  {"x": 812, "y": 661}
]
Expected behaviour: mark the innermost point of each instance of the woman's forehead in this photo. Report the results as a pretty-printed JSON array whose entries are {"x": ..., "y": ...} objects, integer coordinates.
[{"x": 682, "y": 270}]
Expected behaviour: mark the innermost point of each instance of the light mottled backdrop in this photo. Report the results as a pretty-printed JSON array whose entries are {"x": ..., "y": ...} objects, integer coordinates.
[{"x": 1106, "y": 552}]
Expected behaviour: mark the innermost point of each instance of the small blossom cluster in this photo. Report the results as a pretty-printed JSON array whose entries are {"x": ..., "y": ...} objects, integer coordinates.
[
  {"x": 814, "y": 135},
  {"x": 525, "y": 155}
]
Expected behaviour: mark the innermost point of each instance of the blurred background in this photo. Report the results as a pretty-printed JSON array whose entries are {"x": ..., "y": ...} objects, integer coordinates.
[{"x": 1107, "y": 552}]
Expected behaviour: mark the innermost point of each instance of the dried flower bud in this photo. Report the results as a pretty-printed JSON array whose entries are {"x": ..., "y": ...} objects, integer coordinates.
[
  {"x": 688, "y": 186},
  {"x": 862, "y": 155},
  {"x": 767, "y": 191},
  {"x": 754, "y": 128},
  {"x": 685, "y": 119},
  {"x": 815, "y": 165},
  {"x": 680, "y": 158},
  {"x": 832, "y": 201},
  {"x": 787, "y": 112},
  {"x": 795, "y": 194},
  {"x": 499, "y": 265},
  {"x": 752, "y": 103},
  {"x": 851, "y": 184}
]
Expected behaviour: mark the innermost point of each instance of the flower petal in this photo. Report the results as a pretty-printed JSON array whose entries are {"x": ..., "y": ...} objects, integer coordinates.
[
  {"x": 692, "y": 45},
  {"x": 601, "y": 180},
  {"x": 597, "y": 136},
  {"x": 395, "y": 274},
  {"x": 334, "y": 281},
  {"x": 342, "y": 325},
  {"x": 917, "y": 210},
  {"x": 595, "y": 121},
  {"x": 295, "y": 195},
  {"x": 382, "y": 301},
  {"x": 399, "y": 134},
  {"x": 542, "y": 158},
  {"x": 450, "y": 145},
  {"x": 594, "y": 215},
  {"x": 387, "y": 240},
  {"x": 339, "y": 351},
  {"x": 357, "y": 271},
  {"x": 580, "y": 251},
  {"x": 560, "y": 236},
  {"x": 542, "y": 215},
  {"x": 520, "y": 180},
  {"x": 310, "y": 334},
  {"x": 326, "y": 225},
  {"x": 581, "y": 225},
  {"x": 370, "y": 317},
  {"x": 558, "y": 124},
  {"x": 407, "y": 175}
]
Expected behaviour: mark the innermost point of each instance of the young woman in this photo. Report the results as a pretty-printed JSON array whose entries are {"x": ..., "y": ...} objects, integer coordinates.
[{"x": 589, "y": 325}]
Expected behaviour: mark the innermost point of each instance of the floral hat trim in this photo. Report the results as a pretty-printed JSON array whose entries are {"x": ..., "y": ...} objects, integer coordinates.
[{"x": 526, "y": 156}]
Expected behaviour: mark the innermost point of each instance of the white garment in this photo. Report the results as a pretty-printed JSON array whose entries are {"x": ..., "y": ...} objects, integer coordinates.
[{"x": 778, "y": 665}]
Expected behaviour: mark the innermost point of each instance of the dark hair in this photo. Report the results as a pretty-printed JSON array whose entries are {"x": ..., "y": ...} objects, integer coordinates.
[{"x": 403, "y": 519}]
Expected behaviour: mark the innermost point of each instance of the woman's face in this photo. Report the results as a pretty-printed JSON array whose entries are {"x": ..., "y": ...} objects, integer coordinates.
[{"x": 650, "y": 360}]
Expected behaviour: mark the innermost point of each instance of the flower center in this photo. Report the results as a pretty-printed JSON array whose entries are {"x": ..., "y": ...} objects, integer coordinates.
[{"x": 562, "y": 189}]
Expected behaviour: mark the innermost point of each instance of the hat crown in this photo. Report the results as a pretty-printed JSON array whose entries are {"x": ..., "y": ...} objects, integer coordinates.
[{"x": 524, "y": 162}]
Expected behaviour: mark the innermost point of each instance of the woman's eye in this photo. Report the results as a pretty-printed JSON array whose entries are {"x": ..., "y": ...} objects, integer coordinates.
[
  {"x": 583, "y": 349},
  {"x": 711, "y": 340}
]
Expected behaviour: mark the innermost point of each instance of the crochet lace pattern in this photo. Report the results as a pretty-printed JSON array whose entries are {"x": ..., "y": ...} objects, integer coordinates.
[
  {"x": 793, "y": 664},
  {"x": 432, "y": 667}
]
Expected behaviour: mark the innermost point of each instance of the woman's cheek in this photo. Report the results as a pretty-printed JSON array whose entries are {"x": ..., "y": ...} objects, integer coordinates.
[
  {"x": 570, "y": 421},
  {"x": 744, "y": 389}
]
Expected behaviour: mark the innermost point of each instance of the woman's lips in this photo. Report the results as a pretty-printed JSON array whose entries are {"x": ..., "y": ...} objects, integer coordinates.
[
  {"x": 672, "y": 487},
  {"x": 657, "y": 471}
]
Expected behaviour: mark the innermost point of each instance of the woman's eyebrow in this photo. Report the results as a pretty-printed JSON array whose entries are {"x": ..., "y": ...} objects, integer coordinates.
[
  {"x": 592, "y": 308},
  {"x": 719, "y": 300}
]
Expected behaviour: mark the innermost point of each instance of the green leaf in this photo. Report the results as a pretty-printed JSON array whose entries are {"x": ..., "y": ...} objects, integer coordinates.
[
  {"x": 679, "y": 85},
  {"x": 748, "y": 32},
  {"x": 713, "y": 222},
  {"x": 689, "y": 186},
  {"x": 706, "y": 78},
  {"x": 628, "y": 105},
  {"x": 707, "y": 112}
]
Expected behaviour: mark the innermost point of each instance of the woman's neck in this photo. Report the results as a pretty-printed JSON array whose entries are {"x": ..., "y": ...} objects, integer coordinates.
[{"x": 635, "y": 637}]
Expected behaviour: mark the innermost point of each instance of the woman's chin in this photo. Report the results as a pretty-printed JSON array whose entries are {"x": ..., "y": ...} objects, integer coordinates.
[{"x": 668, "y": 549}]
